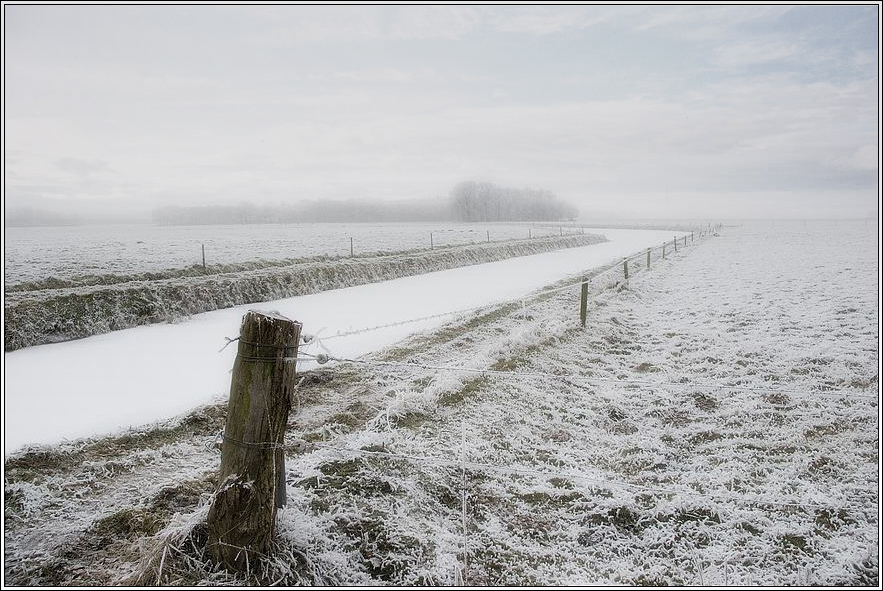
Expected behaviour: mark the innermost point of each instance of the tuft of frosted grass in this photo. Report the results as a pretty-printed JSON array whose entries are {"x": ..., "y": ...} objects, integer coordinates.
[
  {"x": 26, "y": 498},
  {"x": 166, "y": 544}
]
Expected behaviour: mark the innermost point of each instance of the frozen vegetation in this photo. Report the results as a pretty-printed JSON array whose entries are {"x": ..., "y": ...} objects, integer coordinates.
[
  {"x": 128, "y": 390},
  {"x": 714, "y": 424},
  {"x": 54, "y": 255},
  {"x": 72, "y": 309}
]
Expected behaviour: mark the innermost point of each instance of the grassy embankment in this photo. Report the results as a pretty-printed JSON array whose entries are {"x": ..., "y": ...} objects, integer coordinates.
[{"x": 61, "y": 310}]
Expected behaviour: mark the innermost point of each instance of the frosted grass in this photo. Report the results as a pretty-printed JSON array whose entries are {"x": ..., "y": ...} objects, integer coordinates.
[
  {"x": 568, "y": 483},
  {"x": 38, "y": 253}
]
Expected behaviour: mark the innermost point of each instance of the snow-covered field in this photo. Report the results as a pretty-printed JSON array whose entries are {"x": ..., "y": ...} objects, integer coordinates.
[
  {"x": 148, "y": 373},
  {"x": 716, "y": 423},
  {"x": 67, "y": 252}
]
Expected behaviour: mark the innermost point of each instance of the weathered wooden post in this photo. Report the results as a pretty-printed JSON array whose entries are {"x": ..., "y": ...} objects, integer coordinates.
[
  {"x": 685, "y": 241},
  {"x": 351, "y": 247},
  {"x": 583, "y": 301},
  {"x": 203, "y": 257},
  {"x": 488, "y": 236},
  {"x": 663, "y": 251},
  {"x": 529, "y": 233},
  {"x": 431, "y": 243},
  {"x": 625, "y": 268},
  {"x": 242, "y": 517},
  {"x": 675, "y": 241},
  {"x": 691, "y": 236},
  {"x": 648, "y": 259}
]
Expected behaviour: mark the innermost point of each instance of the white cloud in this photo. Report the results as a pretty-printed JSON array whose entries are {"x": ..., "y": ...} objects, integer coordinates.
[
  {"x": 756, "y": 51},
  {"x": 541, "y": 20},
  {"x": 433, "y": 22},
  {"x": 705, "y": 22},
  {"x": 298, "y": 25},
  {"x": 864, "y": 158}
]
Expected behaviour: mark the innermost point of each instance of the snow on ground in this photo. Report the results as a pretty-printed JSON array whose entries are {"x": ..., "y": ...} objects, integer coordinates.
[
  {"x": 745, "y": 454},
  {"x": 100, "y": 384},
  {"x": 714, "y": 424}
]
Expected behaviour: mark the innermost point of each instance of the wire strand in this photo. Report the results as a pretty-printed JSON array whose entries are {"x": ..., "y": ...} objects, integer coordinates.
[{"x": 534, "y": 295}]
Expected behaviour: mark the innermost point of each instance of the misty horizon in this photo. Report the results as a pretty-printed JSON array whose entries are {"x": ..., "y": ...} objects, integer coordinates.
[{"x": 27, "y": 218}]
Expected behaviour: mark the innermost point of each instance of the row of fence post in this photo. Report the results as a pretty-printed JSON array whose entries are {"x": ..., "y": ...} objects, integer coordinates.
[
  {"x": 488, "y": 233},
  {"x": 584, "y": 291}
]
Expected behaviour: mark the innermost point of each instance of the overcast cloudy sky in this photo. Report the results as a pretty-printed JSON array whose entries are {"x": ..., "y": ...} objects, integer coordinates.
[{"x": 729, "y": 111}]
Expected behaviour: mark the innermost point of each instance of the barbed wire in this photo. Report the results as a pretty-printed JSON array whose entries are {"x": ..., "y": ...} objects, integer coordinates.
[
  {"x": 531, "y": 296},
  {"x": 403, "y": 322},
  {"x": 323, "y": 358},
  {"x": 462, "y": 464}
]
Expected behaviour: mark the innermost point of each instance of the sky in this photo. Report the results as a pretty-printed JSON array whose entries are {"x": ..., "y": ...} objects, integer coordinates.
[{"x": 625, "y": 111}]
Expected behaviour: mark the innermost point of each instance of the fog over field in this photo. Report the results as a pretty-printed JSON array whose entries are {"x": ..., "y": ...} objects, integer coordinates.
[
  {"x": 441, "y": 295},
  {"x": 622, "y": 111}
]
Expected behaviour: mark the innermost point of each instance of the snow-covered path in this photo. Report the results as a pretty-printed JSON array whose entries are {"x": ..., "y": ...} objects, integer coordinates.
[{"x": 108, "y": 382}]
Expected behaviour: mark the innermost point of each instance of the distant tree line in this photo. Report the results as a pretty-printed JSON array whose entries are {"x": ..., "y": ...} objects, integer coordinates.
[
  {"x": 469, "y": 202},
  {"x": 479, "y": 201}
]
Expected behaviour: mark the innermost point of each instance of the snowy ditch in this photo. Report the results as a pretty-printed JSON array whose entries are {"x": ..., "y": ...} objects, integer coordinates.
[
  {"x": 701, "y": 430},
  {"x": 132, "y": 377},
  {"x": 42, "y": 316}
]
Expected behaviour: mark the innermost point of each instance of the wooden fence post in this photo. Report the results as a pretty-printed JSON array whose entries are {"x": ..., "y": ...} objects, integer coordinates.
[
  {"x": 675, "y": 241},
  {"x": 529, "y": 233},
  {"x": 203, "y": 257},
  {"x": 431, "y": 243},
  {"x": 351, "y": 246},
  {"x": 692, "y": 239},
  {"x": 663, "y": 251},
  {"x": 625, "y": 268},
  {"x": 488, "y": 236},
  {"x": 583, "y": 301},
  {"x": 648, "y": 259},
  {"x": 242, "y": 517}
]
